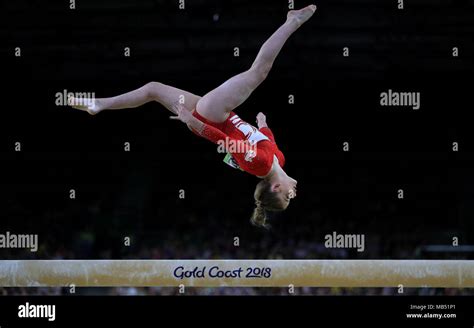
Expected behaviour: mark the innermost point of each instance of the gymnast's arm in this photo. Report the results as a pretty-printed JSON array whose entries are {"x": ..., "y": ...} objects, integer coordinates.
[
  {"x": 204, "y": 130},
  {"x": 211, "y": 133},
  {"x": 263, "y": 126}
]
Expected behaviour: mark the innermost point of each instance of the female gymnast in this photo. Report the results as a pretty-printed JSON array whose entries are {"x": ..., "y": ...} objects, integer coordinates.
[{"x": 212, "y": 117}]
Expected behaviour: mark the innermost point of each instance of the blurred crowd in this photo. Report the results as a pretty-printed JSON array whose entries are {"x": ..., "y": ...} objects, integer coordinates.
[
  {"x": 204, "y": 242},
  {"x": 236, "y": 291}
]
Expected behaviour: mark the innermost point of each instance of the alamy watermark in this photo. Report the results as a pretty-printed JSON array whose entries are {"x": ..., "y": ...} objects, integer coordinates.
[
  {"x": 65, "y": 98},
  {"x": 28, "y": 310},
  {"x": 234, "y": 146},
  {"x": 395, "y": 98},
  {"x": 11, "y": 240},
  {"x": 336, "y": 240}
]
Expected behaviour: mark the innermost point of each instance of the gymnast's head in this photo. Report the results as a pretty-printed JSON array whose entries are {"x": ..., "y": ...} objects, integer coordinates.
[{"x": 272, "y": 195}]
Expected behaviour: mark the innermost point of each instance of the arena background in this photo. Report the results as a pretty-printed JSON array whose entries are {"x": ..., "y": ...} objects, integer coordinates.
[{"x": 136, "y": 194}]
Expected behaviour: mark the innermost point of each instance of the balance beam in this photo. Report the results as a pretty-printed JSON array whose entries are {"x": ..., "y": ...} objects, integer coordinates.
[{"x": 233, "y": 273}]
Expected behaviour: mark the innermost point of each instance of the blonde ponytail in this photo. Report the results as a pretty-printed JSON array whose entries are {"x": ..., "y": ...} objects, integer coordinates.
[{"x": 259, "y": 216}]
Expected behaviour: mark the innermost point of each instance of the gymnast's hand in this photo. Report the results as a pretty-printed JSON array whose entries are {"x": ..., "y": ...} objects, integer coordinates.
[
  {"x": 261, "y": 120},
  {"x": 182, "y": 114}
]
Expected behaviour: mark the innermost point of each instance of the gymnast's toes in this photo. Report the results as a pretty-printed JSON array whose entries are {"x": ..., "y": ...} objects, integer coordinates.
[
  {"x": 302, "y": 15},
  {"x": 85, "y": 104}
]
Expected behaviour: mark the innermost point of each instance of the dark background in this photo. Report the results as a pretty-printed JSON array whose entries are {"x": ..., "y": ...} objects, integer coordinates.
[{"x": 135, "y": 194}]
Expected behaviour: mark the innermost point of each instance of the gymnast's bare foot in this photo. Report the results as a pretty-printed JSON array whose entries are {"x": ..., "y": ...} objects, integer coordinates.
[
  {"x": 92, "y": 106},
  {"x": 302, "y": 15}
]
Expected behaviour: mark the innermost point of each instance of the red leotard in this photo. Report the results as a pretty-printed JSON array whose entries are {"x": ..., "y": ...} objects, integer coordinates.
[{"x": 261, "y": 164}]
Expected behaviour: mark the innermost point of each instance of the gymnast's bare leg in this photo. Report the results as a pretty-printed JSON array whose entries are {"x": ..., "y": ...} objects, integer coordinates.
[
  {"x": 217, "y": 104},
  {"x": 153, "y": 91}
]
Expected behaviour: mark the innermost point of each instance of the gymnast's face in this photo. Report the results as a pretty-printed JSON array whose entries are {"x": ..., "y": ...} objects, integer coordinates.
[{"x": 286, "y": 189}]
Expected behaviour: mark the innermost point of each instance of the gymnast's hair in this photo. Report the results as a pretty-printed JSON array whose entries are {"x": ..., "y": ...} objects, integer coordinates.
[{"x": 265, "y": 200}]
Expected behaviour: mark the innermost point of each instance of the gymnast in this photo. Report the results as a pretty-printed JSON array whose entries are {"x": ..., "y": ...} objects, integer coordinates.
[{"x": 212, "y": 117}]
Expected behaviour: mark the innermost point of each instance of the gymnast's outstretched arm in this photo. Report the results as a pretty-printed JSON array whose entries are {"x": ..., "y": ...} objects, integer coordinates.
[{"x": 261, "y": 121}]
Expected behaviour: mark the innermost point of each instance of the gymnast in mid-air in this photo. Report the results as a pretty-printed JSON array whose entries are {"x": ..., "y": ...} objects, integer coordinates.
[{"x": 212, "y": 117}]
